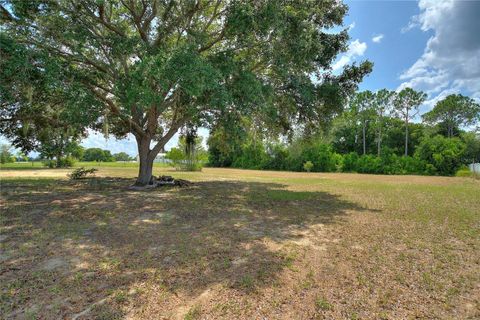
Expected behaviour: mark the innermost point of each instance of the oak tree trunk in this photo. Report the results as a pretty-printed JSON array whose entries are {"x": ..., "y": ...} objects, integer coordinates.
[
  {"x": 145, "y": 171},
  {"x": 146, "y": 157},
  {"x": 59, "y": 157}
]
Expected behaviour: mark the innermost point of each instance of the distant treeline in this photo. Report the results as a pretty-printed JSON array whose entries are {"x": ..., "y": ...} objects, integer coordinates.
[
  {"x": 74, "y": 152},
  {"x": 79, "y": 153},
  {"x": 371, "y": 136}
]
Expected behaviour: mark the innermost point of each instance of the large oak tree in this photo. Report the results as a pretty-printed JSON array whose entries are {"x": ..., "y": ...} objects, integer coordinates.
[{"x": 150, "y": 67}]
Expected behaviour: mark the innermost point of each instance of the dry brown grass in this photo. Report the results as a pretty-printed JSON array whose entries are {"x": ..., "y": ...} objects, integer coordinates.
[{"x": 240, "y": 244}]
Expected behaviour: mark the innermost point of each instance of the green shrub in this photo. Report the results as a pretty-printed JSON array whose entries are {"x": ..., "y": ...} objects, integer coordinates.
[
  {"x": 437, "y": 155},
  {"x": 176, "y": 156},
  {"x": 49, "y": 163},
  {"x": 323, "y": 157},
  {"x": 394, "y": 164},
  {"x": 464, "y": 171},
  {"x": 81, "y": 173},
  {"x": 409, "y": 165},
  {"x": 443, "y": 154},
  {"x": 391, "y": 163},
  {"x": 320, "y": 154},
  {"x": 191, "y": 166},
  {"x": 66, "y": 162},
  {"x": 180, "y": 160},
  {"x": 338, "y": 162},
  {"x": 5, "y": 155},
  {"x": 276, "y": 157},
  {"x": 308, "y": 166},
  {"x": 369, "y": 164},
  {"x": 350, "y": 162},
  {"x": 388, "y": 163},
  {"x": 472, "y": 147},
  {"x": 253, "y": 156}
]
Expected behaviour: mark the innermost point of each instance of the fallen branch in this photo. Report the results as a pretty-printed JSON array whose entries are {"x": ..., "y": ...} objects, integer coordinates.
[
  {"x": 163, "y": 181},
  {"x": 170, "y": 181}
]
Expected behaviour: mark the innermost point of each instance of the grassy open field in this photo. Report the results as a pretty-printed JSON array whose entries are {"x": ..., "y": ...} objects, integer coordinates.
[{"x": 239, "y": 244}]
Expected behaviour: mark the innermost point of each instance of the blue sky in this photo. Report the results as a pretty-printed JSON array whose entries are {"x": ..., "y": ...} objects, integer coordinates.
[
  {"x": 429, "y": 45},
  {"x": 393, "y": 51}
]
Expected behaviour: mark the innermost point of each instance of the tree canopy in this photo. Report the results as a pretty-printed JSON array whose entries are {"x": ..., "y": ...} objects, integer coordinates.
[
  {"x": 453, "y": 111},
  {"x": 98, "y": 154},
  {"x": 151, "y": 67},
  {"x": 406, "y": 106},
  {"x": 122, "y": 156},
  {"x": 362, "y": 106}
]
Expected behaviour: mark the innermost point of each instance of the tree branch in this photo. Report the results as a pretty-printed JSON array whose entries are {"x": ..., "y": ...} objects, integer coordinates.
[
  {"x": 6, "y": 15},
  {"x": 101, "y": 19},
  {"x": 137, "y": 19},
  {"x": 170, "y": 133},
  {"x": 149, "y": 19},
  {"x": 115, "y": 110},
  {"x": 213, "y": 42},
  {"x": 215, "y": 14},
  {"x": 74, "y": 58}
]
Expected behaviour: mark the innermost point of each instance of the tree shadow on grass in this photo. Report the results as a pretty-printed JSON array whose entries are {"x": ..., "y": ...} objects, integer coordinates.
[{"x": 69, "y": 246}]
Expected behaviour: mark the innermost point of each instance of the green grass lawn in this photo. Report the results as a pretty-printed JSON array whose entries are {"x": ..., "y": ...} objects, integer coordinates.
[{"x": 239, "y": 244}]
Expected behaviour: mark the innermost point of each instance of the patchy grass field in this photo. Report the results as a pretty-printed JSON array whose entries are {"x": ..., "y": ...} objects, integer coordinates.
[{"x": 239, "y": 245}]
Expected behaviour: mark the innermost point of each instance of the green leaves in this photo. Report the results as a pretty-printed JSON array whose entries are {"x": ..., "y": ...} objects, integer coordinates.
[
  {"x": 151, "y": 81},
  {"x": 445, "y": 154},
  {"x": 454, "y": 110},
  {"x": 241, "y": 19},
  {"x": 407, "y": 102},
  {"x": 154, "y": 66},
  {"x": 192, "y": 72}
]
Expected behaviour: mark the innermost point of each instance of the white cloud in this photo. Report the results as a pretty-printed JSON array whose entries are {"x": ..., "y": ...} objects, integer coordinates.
[
  {"x": 413, "y": 23},
  {"x": 378, "y": 38},
  {"x": 351, "y": 26},
  {"x": 451, "y": 59},
  {"x": 355, "y": 49}
]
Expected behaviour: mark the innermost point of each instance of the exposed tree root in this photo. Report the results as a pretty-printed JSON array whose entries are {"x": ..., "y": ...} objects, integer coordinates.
[{"x": 163, "y": 181}]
